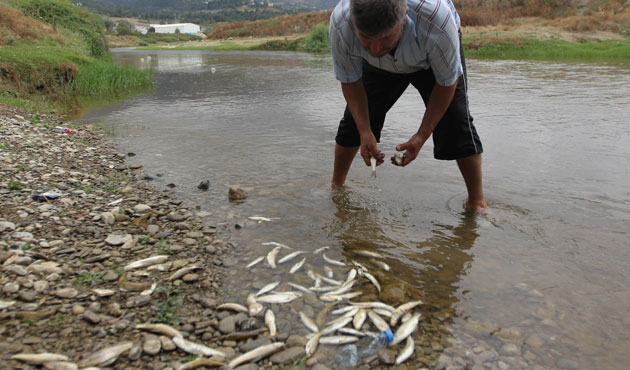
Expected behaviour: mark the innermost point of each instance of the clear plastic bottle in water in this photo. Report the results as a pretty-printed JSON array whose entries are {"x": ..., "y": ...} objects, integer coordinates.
[
  {"x": 376, "y": 343},
  {"x": 347, "y": 357}
]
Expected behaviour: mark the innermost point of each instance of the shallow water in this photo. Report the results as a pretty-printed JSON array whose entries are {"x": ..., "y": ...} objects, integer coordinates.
[{"x": 546, "y": 269}]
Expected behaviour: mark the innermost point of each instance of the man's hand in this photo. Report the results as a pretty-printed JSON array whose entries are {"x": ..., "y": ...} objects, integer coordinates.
[
  {"x": 411, "y": 148},
  {"x": 369, "y": 149}
]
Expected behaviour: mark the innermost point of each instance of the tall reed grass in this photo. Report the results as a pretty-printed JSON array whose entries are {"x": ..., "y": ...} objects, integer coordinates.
[{"x": 101, "y": 78}]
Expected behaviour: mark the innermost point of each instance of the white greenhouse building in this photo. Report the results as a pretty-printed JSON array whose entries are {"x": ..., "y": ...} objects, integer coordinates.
[{"x": 189, "y": 28}]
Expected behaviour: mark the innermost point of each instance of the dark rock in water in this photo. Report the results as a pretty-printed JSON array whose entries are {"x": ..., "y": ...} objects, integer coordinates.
[
  {"x": 147, "y": 178},
  {"x": 236, "y": 193},
  {"x": 131, "y": 154},
  {"x": 204, "y": 185},
  {"x": 159, "y": 175},
  {"x": 249, "y": 324},
  {"x": 171, "y": 185}
]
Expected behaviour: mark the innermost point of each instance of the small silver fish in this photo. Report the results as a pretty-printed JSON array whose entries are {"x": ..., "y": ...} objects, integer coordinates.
[
  {"x": 254, "y": 307},
  {"x": 160, "y": 329},
  {"x": 359, "y": 266},
  {"x": 343, "y": 310},
  {"x": 271, "y": 257},
  {"x": 232, "y": 307},
  {"x": 359, "y": 318},
  {"x": 351, "y": 331},
  {"x": 373, "y": 164},
  {"x": 378, "y": 321},
  {"x": 255, "y": 354},
  {"x": 320, "y": 250},
  {"x": 332, "y": 261},
  {"x": 311, "y": 345},
  {"x": 268, "y": 288},
  {"x": 382, "y": 265},
  {"x": 270, "y": 321},
  {"x": 372, "y": 305},
  {"x": 297, "y": 266},
  {"x": 382, "y": 312},
  {"x": 107, "y": 355},
  {"x": 261, "y": 219},
  {"x": 290, "y": 256},
  {"x": 196, "y": 348},
  {"x": 352, "y": 274},
  {"x": 308, "y": 322},
  {"x": 154, "y": 260},
  {"x": 338, "y": 339},
  {"x": 405, "y": 329},
  {"x": 373, "y": 280},
  {"x": 406, "y": 351},
  {"x": 277, "y": 245},
  {"x": 366, "y": 253},
  {"x": 337, "y": 324},
  {"x": 400, "y": 310},
  {"x": 277, "y": 298},
  {"x": 255, "y": 262},
  {"x": 339, "y": 297},
  {"x": 299, "y": 287},
  {"x": 329, "y": 272}
]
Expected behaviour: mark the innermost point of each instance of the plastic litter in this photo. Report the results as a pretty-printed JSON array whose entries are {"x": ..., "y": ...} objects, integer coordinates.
[
  {"x": 49, "y": 195},
  {"x": 64, "y": 130},
  {"x": 377, "y": 342},
  {"x": 347, "y": 357}
]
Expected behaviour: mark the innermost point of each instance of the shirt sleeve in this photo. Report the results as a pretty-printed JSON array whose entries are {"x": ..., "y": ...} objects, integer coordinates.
[
  {"x": 347, "y": 67},
  {"x": 444, "y": 57}
]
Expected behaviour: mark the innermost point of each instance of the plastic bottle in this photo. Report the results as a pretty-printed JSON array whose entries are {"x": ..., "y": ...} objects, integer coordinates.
[
  {"x": 64, "y": 130},
  {"x": 378, "y": 342},
  {"x": 347, "y": 357}
]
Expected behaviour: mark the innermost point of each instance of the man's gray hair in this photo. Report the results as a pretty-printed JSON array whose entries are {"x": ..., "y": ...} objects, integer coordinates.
[{"x": 376, "y": 17}]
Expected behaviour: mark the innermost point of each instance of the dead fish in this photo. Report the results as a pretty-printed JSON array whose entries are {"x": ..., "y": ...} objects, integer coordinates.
[
  {"x": 262, "y": 219},
  {"x": 352, "y": 274},
  {"x": 366, "y": 253},
  {"x": 233, "y": 307},
  {"x": 406, "y": 317},
  {"x": 320, "y": 250},
  {"x": 308, "y": 322},
  {"x": 311, "y": 345},
  {"x": 372, "y": 305},
  {"x": 382, "y": 265},
  {"x": 106, "y": 356},
  {"x": 60, "y": 365},
  {"x": 131, "y": 286},
  {"x": 254, "y": 308},
  {"x": 150, "y": 290},
  {"x": 277, "y": 245},
  {"x": 256, "y": 354},
  {"x": 104, "y": 292},
  {"x": 337, "y": 324},
  {"x": 290, "y": 256},
  {"x": 400, "y": 310},
  {"x": 270, "y": 321},
  {"x": 200, "y": 362},
  {"x": 338, "y": 339},
  {"x": 343, "y": 310},
  {"x": 382, "y": 312},
  {"x": 297, "y": 266},
  {"x": 160, "y": 329},
  {"x": 344, "y": 288},
  {"x": 321, "y": 317},
  {"x": 332, "y": 261},
  {"x": 359, "y": 266},
  {"x": 351, "y": 313},
  {"x": 39, "y": 358},
  {"x": 254, "y": 262},
  {"x": 378, "y": 321},
  {"x": 351, "y": 331},
  {"x": 240, "y": 335},
  {"x": 6, "y": 304},
  {"x": 329, "y": 272},
  {"x": 373, "y": 280},
  {"x": 311, "y": 274},
  {"x": 277, "y": 298},
  {"x": 183, "y": 271},
  {"x": 196, "y": 348},
  {"x": 329, "y": 280},
  {"x": 406, "y": 351},
  {"x": 373, "y": 164},
  {"x": 299, "y": 287},
  {"x": 161, "y": 267},
  {"x": 405, "y": 329},
  {"x": 359, "y": 318},
  {"x": 339, "y": 297},
  {"x": 267, "y": 288},
  {"x": 154, "y": 260},
  {"x": 271, "y": 257}
]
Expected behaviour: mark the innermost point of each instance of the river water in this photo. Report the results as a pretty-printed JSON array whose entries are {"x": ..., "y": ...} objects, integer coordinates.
[{"x": 542, "y": 281}]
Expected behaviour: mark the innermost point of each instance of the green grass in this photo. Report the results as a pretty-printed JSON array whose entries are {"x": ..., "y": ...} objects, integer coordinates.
[
  {"x": 88, "y": 279},
  {"x": 101, "y": 78},
  {"x": 610, "y": 51},
  {"x": 168, "y": 308}
]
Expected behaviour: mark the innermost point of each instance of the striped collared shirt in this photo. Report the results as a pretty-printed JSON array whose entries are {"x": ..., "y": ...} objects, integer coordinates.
[{"x": 429, "y": 39}]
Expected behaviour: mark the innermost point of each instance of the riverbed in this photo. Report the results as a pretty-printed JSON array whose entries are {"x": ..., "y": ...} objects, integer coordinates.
[{"x": 539, "y": 282}]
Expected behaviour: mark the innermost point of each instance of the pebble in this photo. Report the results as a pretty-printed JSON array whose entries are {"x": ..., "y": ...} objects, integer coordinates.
[
  {"x": 288, "y": 355},
  {"x": 91, "y": 317},
  {"x": 66, "y": 293}
]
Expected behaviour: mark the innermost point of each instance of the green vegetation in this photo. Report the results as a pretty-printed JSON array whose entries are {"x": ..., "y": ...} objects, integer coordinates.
[
  {"x": 317, "y": 40},
  {"x": 610, "y": 51},
  {"x": 88, "y": 279},
  {"x": 53, "y": 52},
  {"x": 164, "y": 248},
  {"x": 15, "y": 185},
  {"x": 167, "y": 309}
]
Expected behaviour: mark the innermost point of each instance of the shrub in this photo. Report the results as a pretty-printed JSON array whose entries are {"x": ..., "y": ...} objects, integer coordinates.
[{"x": 317, "y": 41}]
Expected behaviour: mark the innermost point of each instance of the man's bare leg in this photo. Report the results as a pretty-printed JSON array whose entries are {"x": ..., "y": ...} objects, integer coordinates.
[
  {"x": 343, "y": 161},
  {"x": 470, "y": 167}
]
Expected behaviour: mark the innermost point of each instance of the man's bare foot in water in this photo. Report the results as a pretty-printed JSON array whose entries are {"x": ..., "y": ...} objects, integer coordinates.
[{"x": 477, "y": 207}]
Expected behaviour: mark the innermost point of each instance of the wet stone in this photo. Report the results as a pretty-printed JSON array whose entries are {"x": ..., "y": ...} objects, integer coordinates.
[
  {"x": 253, "y": 344},
  {"x": 565, "y": 363},
  {"x": 10, "y": 288},
  {"x": 27, "y": 296},
  {"x": 91, "y": 317},
  {"x": 288, "y": 355},
  {"x": 66, "y": 293}
]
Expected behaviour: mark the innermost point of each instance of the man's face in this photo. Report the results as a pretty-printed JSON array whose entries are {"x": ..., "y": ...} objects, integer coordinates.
[{"x": 381, "y": 44}]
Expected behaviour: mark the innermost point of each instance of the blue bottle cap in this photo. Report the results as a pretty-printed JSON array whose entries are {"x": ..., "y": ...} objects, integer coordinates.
[{"x": 389, "y": 335}]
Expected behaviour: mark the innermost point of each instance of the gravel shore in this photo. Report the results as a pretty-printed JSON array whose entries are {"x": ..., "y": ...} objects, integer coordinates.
[{"x": 66, "y": 287}]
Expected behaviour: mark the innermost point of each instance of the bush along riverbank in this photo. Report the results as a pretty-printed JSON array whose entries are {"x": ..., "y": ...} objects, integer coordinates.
[{"x": 53, "y": 53}]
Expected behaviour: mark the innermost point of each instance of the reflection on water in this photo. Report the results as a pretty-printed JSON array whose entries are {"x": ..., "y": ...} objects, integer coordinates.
[{"x": 540, "y": 282}]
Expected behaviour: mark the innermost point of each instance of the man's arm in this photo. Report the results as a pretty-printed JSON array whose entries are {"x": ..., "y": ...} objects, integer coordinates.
[
  {"x": 441, "y": 97},
  {"x": 357, "y": 101}
]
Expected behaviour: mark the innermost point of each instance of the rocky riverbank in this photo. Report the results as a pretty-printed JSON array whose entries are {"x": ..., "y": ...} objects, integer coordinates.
[{"x": 74, "y": 215}]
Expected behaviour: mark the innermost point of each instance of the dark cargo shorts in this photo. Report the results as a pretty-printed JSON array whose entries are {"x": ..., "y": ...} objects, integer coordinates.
[{"x": 454, "y": 137}]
